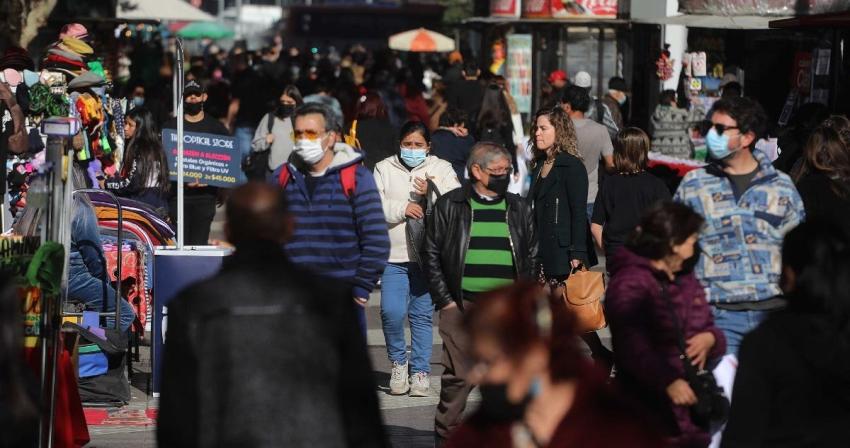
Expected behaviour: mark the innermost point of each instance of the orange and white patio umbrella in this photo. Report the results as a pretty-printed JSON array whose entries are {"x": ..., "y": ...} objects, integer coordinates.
[{"x": 421, "y": 41}]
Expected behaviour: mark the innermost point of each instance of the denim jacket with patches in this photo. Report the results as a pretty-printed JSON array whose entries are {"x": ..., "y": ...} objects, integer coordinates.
[{"x": 741, "y": 241}]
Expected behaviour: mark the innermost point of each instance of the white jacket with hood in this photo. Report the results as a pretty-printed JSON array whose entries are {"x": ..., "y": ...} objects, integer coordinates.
[{"x": 396, "y": 187}]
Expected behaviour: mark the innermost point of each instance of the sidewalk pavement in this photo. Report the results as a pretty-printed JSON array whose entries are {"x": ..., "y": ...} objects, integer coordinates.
[{"x": 409, "y": 421}]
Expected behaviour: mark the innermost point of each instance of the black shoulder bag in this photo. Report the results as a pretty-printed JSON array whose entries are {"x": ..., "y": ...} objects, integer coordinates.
[
  {"x": 256, "y": 164},
  {"x": 712, "y": 407},
  {"x": 415, "y": 229}
]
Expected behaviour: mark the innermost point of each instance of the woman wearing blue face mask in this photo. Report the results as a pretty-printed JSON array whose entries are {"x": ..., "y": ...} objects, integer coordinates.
[{"x": 408, "y": 182}]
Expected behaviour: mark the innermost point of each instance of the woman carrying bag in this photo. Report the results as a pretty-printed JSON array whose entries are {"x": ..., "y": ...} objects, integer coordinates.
[
  {"x": 408, "y": 183},
  {"x": 558, "y": 197},
  {"x": 662, "y": 327}
]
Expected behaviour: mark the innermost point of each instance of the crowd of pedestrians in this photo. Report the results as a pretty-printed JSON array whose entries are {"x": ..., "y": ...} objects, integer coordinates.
[
  {"x": 363, "y": 179},
  {"x": 439, "y": 194}
]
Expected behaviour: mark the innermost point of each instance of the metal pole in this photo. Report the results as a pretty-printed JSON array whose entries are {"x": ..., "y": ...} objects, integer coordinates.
[
  {"x": 178, "y": 74},
  {"x": 600, "y": 63}
]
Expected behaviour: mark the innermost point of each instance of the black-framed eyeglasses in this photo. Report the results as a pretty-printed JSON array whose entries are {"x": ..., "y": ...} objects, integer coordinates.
[
  {"x": 721, "y": 128},
  {"x": 508, "y": 171}
]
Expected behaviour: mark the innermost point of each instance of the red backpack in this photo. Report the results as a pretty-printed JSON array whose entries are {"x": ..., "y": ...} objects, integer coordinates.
[{"x": 347, "y": 177}]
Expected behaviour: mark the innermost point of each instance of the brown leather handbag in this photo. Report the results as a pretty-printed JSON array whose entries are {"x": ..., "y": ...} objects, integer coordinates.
[{"x": 583, "y": 295}]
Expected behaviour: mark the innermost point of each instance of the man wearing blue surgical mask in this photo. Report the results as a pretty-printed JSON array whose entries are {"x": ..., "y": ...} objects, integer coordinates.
[{"x": 748, "y": 207}]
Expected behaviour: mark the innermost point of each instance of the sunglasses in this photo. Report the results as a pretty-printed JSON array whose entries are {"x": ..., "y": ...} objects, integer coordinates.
[
  {"x": 721, "y": 128},
  {"x": 305, "y": 135}
]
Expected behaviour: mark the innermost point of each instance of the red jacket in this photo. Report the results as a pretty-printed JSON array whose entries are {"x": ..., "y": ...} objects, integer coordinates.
[{"x": 597, "y": 419}]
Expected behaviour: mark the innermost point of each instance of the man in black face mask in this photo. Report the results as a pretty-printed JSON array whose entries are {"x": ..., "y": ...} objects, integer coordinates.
[
  {"x": 479, "y": 238},
  {"x": 199, "y": 201},
  {"x": 274, "y": 133}
]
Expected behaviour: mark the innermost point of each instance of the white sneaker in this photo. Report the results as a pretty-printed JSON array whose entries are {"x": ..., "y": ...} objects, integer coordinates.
[
  {"x": 421, "y": 385},
  {"x": 399, "y": 384}
]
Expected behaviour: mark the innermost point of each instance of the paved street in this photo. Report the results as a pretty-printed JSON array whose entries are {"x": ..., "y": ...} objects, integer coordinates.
[{"x": 409, "y": 420}]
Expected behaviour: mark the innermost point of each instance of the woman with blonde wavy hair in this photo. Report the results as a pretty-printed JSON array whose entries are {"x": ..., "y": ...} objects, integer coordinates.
[
  {"x": 558, "y": 198},
  {"x": 558, "y": 194}
]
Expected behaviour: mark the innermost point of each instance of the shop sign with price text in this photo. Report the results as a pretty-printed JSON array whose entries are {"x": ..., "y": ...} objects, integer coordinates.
[{"x": 207, "y": 158}]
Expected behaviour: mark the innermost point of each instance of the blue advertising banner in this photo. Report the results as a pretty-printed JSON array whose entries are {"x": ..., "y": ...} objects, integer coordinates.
[{"x": 207, "y": 158}]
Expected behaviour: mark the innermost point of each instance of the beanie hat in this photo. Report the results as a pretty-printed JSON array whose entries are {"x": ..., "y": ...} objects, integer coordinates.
[
  {"x": 16, "y": 58},
  {"x": 583, "y": 79}
]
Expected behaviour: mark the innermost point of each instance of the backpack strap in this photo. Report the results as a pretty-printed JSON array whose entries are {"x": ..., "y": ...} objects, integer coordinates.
[
  {"x": 283, "y": 177},
  {"x": 600, "y": 111},
  {"x": 270, "y": 123},
  {"x": 348, "y": 179}
]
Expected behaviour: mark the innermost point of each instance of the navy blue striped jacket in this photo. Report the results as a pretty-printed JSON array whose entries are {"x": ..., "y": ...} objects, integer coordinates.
[{"x": 336, "y": 236}]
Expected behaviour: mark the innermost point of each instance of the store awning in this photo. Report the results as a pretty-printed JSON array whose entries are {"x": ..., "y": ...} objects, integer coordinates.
[
  {"x": 834, "y": 20},
  {"x": 163, "y": 10},
  {"x": 719, "y": 22},
  {"x": 548, "y": 21}
]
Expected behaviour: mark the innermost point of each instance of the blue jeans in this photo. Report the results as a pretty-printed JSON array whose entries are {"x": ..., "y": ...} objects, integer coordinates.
[
  {"x": 589, "y": 211},
  {"x": 404, "y": 291},
  {"x": 736, "y": 325},
  {"x": 93, "y": 291},
  {"x": 244, "y": 136}
]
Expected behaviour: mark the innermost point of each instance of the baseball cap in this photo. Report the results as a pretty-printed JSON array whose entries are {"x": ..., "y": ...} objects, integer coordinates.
[
  {"x": 557, "y": 75},
  {"x": 583, "y": 79},
  {"x": 193, "y": 87}
]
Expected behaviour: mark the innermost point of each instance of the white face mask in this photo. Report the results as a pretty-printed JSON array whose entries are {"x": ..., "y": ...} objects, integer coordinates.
[{"x": 310, "y": 151}]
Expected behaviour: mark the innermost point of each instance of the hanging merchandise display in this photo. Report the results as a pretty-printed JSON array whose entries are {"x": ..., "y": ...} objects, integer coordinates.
[
  {"x": 519, "y": 70},
  {"x": 664, "y": 65},
  {"x": 585, "y": 9}
]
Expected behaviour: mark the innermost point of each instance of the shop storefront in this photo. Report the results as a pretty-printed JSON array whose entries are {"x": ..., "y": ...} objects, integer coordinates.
[{"x": 539, "y": 37}]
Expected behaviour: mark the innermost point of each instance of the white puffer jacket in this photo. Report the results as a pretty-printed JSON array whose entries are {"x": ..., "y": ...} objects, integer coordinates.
[{"x": 396, "y": 186}]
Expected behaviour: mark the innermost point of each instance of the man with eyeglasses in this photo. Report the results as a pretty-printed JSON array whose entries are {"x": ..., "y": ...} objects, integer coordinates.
[
  {"x": 340, "y": 230},
  {"x": 479, "y": 237},
  {"x": 748, "y": 207}
]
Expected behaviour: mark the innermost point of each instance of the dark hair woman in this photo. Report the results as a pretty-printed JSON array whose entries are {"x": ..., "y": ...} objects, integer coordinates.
[
  {"x": 823, "y": 179},
  {"x": 144, "y": 171},
  {"x": 373, "y": 131},
  {"x": 792, "y": 387},
  {"x": 403, "y": 184},
  {"x": 535, "y": 385},
  {"x": 558, "y": 197},
  {"x": 274, "y": 132},
  {"x": 650, "y": 281},
  {"x": 494, "y": 122},
  {"x": 624, "y": 196}
]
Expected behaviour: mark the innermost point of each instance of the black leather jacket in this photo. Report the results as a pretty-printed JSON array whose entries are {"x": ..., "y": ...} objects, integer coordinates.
[{"x": 447, "y": 241}]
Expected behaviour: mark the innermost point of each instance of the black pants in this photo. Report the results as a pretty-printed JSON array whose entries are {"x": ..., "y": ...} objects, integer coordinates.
[{"x": 198, "y": 211}]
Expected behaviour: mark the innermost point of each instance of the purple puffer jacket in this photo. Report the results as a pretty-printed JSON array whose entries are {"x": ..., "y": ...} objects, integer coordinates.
[{"x": 645, "y": 341}]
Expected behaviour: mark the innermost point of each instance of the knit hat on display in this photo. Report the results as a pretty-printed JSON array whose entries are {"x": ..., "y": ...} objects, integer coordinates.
[
  {"x": 87, "y": 79},
  {"x": 74, "y": 30},
  {"x": 77, "y": 46},
  {"x": 16, "y": 58}
]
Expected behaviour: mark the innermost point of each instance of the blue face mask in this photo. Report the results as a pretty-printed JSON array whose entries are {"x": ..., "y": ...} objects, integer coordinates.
[
  {"x": 413, "y": 157},
  {"x": 718, "y": 145},
  {"x": 138, "y": 101}
]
